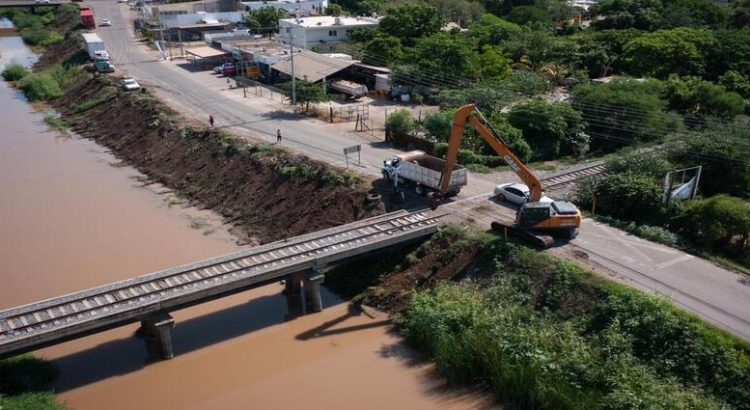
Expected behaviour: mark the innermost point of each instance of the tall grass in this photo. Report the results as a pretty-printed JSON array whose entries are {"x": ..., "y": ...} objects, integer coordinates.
[
  {"x": 14, "y": 72},
  {"x": 23, "y": 381},
  {"x": 548, "y": 334}
]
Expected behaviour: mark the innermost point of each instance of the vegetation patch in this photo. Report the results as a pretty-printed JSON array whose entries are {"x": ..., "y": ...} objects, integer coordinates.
[
  {"x": 56, "y": 123},
  {"x": 25, "y": 383},
  {"x": 544, "y": 333},
  {"x": 15, "y": 72}
]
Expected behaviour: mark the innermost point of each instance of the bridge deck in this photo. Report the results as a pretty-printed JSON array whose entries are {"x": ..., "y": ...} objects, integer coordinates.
[{"x": 63, "y": 318}]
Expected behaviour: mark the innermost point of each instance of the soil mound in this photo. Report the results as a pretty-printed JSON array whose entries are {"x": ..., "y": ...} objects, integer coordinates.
[{"x": 267, "y": 192}]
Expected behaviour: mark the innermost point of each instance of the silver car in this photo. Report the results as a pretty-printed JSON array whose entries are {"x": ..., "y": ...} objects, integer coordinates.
[
  {"x": 516, "y": 193},
  {"x": 129, "y": 84}
]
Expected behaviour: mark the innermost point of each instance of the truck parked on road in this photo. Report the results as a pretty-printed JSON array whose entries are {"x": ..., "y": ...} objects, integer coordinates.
[
  {"x": 423, "y": 172},
  {"x": 87, "y": 16},
  {"x": 351, "y": 88},
  {"x": 104, "y": 66},
  {"x": 95, "y": 46}
]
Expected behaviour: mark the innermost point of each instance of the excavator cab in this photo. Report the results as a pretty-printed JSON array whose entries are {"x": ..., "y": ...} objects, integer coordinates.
[{"x": 535, "y": 221}]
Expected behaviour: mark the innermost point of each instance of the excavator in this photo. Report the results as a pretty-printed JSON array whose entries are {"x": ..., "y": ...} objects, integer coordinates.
[{"x": 536, "y": 222}]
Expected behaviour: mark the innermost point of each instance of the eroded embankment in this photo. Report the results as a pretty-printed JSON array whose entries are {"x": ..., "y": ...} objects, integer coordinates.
[{"x": 267, "y": 192}]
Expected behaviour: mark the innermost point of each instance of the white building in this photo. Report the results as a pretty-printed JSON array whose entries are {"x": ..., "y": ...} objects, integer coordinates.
[
  {"x": 304, "y": 7},
  {"x": 322, "y": 32}
]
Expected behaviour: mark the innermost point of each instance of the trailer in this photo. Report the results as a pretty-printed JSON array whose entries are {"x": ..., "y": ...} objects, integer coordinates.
[
  {"x": 95, "y": 46},
  {"x": 356, "y": 90},
  {"x": 422, "y": 171},
  {"x": 87, "y": 16}
]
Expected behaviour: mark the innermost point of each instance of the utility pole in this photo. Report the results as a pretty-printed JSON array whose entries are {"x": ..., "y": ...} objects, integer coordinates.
[
  {"x": 161, "y": 33},
  {"x": 294, "y": 81}
]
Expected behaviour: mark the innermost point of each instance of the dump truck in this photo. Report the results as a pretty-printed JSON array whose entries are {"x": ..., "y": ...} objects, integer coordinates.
[
  {"x": 422, "y": 172},
  {"x": 87, "y": 16},
  {"x": 351, "y": 88},
  {"x": 95, "y": 46}
]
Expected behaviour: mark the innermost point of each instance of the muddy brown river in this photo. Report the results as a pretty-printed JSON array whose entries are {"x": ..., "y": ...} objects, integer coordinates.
[{"x": 72, "y": 217}]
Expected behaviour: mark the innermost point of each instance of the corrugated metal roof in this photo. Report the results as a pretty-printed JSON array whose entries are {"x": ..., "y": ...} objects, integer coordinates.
[
  {"x": 206, "y": 52},
  {"x": 312, "y": 66}
]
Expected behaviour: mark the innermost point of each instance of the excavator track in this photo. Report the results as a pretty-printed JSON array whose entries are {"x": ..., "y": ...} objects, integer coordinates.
[{"x": 535, "y": 238}]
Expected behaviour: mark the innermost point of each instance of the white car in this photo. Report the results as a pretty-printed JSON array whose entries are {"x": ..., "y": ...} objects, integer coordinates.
[
  {"x": 129, "y": 84},
  {"x": 42, "y": 1},
  {"x": 516, "y": 193},
  {"x": 122, "y": 1},
  {"x": 106, "y": 22}
]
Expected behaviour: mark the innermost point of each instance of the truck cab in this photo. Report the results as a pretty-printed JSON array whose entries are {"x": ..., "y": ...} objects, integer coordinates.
[{"x": 104, "y": 66}]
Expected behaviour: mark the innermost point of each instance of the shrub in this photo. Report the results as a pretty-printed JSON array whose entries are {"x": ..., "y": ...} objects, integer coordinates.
[
  {"x": 34, "y": 36},
  {"x": 719, "y": 222},
  {"x": 15, "y": 72},
  {"x": 40, "y": 87},
  {"x": 400, "y": 122},
  {"x": 631, "y": 197}
]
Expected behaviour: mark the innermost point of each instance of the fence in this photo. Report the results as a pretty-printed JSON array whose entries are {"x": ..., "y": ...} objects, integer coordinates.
[{"x": 253, "y": 87}]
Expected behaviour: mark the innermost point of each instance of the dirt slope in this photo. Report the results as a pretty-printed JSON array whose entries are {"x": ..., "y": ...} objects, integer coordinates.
[{"x": 267, "y": 192}]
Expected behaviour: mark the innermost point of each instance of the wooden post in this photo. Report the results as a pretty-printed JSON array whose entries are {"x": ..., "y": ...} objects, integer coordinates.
[{"x": 593, "y": 206}]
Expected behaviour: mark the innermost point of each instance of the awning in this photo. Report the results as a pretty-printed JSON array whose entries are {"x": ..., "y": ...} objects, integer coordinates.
[
  {"x": 206, "y": 52},
  {"x": 311, "y": 66}
]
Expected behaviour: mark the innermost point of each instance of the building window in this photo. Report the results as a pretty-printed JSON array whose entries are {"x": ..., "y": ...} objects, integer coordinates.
[
  {"x": 333, "y": 33},
  {"x": 288, "y": 29}
]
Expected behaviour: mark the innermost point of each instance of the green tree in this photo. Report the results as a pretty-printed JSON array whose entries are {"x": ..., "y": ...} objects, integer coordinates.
[
  {"x": 723, "y": 150},
  {"x": 411, "y": 21},
  {"x": 362, "y": 34},
  {"x": 733, "y": 53},
  {"x": 400, "y": 122},
  {"x": 383, "y": 50},
  {"x": 493, "y": 30},
  {"x": 265, "y": 20},
  {"x": 444, "y": 53},
  {"x": 306, "y": 92},
  {"x": 439, "y": 123},
  {"x": 490, "y": 65},
  {"x": 739, "y": 13},
  {"x": 681, "y": 51},
  {"x": 334, "y": 10},
  {"x": 695, "y": 97},
  {"x": 529, "y": 15},
  {"x": 721, "y": 222},
  {"x": 624, "y": 111},
  {"x": 549, "y": 128},
  {"x": 631, "y": 197},
  {"x": 459, "y": 11}
]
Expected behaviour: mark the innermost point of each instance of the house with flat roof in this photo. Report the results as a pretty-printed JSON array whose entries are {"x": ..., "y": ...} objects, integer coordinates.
[
  {"x": 323, "y": 33},
  {"x": 304, "y": 7}
]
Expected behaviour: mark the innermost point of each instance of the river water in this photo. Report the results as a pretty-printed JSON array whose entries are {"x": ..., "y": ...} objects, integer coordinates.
[{"x": 71, "y": 217}]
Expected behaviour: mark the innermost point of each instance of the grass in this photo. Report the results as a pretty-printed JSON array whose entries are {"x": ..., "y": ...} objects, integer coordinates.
[
  {"x": 24, "y": 384},
  {"x": 40, "y": 86},
  {"x": 56, "y": 123},
  {"x": 541, "y": 166},
  {"x": 544, "y": 333},
  {"x": 15, "y": 72}
]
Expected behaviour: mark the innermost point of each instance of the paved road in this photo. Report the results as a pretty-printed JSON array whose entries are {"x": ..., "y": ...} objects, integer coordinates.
[{"x": 719, "y": 296}]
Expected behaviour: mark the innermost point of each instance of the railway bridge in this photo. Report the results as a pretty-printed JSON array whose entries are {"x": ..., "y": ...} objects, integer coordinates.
[{"x": 150, "y": 298}]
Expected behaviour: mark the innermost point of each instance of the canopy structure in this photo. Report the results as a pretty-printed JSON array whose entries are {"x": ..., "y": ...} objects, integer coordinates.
[
  {"x": 206, "y": 52},
  {"x": 311, "y": 66}
]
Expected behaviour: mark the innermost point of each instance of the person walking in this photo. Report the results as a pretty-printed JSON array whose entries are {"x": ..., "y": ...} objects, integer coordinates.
[
  {"x": 278, "y": 136},
  {"x": 211, "y": 120}
]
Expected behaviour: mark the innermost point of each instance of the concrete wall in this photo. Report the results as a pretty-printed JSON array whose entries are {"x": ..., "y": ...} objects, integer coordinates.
[
  {"x": 324, "y": 37},
  {"x": 306, "y": 7}
]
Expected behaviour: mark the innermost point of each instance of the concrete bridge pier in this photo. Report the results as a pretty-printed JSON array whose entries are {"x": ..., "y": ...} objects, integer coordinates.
[
  {"x": 313, "y": 279},
  {"x": 157, "y": 332},
  {"x": 293, "y": 285}
]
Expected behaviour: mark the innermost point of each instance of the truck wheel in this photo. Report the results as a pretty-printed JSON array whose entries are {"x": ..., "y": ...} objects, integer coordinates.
[
  {"x": 386, "y": 176},
  {"x": 420, "y": 190}
]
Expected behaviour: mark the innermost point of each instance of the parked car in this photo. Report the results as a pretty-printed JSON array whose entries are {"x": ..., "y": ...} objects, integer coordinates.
[
  {"x": 516, "y": 193},
  {"x": 129, "y": 84},
  {"x": 219, "y": 69},
  {"x": 229, "y": 70},
  {"x": 122, "y": 1},
  {"x": 105, "y": 22},
  {"x": 42, "y": 1}
]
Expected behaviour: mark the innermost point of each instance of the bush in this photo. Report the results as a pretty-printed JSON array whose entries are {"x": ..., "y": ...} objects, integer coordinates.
[
  {"x": 34, "y": 36},
  {"x": 40, "y": 87},
  {"x": 631, "y": 197},
  {"x": 15, "y": 72},
  {"x": 400, "y": 122},
  {"x": 439, "y": 123},
  {"x": 721, "y": 222}
]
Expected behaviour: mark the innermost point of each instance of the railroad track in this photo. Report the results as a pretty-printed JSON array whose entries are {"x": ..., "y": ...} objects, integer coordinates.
[
  {"x": 171, "y": 288},
  {"x": 563, "y": 180}
]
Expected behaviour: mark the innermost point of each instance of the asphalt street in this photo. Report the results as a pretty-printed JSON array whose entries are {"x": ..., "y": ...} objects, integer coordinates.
[{"x": 717, "y": 295}]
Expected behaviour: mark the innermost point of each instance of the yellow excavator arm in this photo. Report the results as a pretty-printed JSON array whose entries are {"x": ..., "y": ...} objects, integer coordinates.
[{"x": 468, "y": 114}]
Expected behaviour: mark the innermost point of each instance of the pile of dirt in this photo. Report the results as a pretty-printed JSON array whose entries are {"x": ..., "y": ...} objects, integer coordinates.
[
  {"x": 444, "y": 258},
  {"x": 69, "y": 51},
  {"x": 265, "y": 191}
]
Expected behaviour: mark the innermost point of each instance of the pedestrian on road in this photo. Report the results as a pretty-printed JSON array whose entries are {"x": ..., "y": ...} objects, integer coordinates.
[
  {"x": 278, "y": 136},
  {"x": 211, "y": 120}
]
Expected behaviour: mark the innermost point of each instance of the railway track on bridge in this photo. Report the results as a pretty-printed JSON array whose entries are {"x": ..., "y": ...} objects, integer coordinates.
[{"x": 128, "y": 301}]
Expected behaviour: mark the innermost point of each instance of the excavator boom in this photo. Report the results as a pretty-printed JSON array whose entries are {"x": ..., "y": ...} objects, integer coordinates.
[{"x": 466, "y": 115}]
